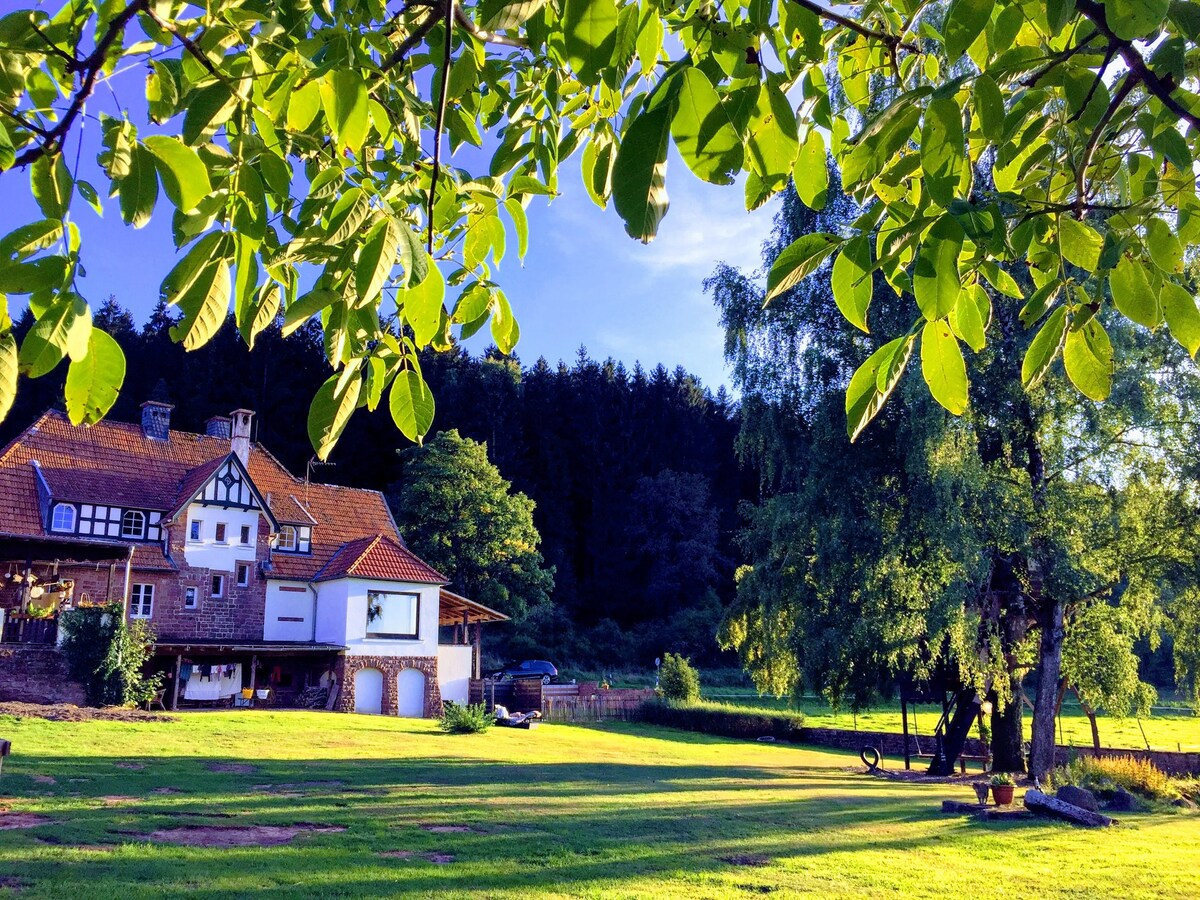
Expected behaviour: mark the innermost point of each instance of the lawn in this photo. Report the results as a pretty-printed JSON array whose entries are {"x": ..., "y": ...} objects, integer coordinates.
[
  {"x": 1163, "y": 730},
  {"x": 562, "y": 811}
]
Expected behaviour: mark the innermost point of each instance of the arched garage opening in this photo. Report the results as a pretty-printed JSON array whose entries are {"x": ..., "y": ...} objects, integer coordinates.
[
  {"x": 410, "y": 693},
  {"x": 368, "y": 691}
]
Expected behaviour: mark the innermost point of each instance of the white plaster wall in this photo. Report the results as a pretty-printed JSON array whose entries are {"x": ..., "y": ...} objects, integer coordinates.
[
  {"x": 207, "y": 553},
  {"x": 342, "y": 617},
  {"x": 454, "y": 671},
  {"x": 288, "y": 604}
]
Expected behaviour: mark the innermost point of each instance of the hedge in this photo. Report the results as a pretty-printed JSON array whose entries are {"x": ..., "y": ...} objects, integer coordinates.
[{"x": 723, "y": 720}]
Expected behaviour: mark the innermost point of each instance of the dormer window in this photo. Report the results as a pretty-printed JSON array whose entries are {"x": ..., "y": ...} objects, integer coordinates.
[
  {"x": 63, "y": 517},
  {"x": 133, "y": 524},
  {"x": 287, "y": 538},
  {"x": 294, "y": 539}
]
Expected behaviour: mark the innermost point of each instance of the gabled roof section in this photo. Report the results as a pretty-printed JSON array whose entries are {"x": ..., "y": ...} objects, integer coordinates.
[
  {"x": 86, "y": 485},
  {"x": 379, "y": 558},
  {"x": 192, "y": 486}
]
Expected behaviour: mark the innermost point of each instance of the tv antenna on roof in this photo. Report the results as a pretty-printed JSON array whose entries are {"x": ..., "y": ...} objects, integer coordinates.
[{"x": 312, "y": 463}]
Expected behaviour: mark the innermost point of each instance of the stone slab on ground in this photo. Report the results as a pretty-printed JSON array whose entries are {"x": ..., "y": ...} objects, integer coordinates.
[
  {"x": 985, "y": 812},
  {"x": 1042, "y": 804}
]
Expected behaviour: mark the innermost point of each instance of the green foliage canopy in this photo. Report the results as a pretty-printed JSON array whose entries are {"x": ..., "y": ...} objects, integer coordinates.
[{"x": 298, "y": 144}]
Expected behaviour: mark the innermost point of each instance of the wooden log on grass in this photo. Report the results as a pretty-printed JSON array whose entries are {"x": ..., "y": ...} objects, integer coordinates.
[{"x": 1040, "y": 803}]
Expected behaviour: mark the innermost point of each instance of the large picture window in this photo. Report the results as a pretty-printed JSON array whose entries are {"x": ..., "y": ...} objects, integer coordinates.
[{"x": 392, "y": 615}]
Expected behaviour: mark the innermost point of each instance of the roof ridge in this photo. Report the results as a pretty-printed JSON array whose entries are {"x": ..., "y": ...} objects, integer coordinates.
[
  {"x": 362, "y": 553},
  {"x": 18, "y": 438}
]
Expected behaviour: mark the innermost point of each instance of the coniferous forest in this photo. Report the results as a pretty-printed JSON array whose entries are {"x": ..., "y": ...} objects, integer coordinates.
[{"x": 632, "y": 472}]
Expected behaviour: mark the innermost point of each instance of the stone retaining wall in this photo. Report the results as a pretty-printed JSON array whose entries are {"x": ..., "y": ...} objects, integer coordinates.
[{"x": 37, "y": 675}]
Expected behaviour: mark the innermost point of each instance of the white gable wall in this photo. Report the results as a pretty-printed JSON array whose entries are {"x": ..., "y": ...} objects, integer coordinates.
[
  {"x": 289, "y": 612},
  {"x": 342, "y": 617},
  {"x": 207, "y": 553}
]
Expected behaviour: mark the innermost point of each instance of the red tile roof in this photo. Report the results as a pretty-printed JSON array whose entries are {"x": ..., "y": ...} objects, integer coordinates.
[
  {"x": 124, "y": 467},
  {"x": 379, "y": 558}
]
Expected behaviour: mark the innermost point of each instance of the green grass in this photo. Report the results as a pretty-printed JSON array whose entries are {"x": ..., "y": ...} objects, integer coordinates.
[
  {"x": 1165, "y": 731},
  {"x": 561, "y": 811}
]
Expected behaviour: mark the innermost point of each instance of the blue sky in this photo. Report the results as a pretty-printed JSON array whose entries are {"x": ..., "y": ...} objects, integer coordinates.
[{"x": 583, "y": 281}]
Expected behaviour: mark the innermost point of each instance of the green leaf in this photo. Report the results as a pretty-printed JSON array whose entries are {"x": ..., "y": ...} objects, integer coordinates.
[
  {"x": 257, "y": 311},
  {"x": 810, "y": 173},
  {"x": 1044, "y": 348},
  {"x": 1133, "y": 294},
  {"x": 344, "y": 99},
  {"x": 52, "y": 185},
  {"x": 772, "y": 142},
  {"x": 935, "y": 275},
  {"x": 966, "y": 320},
  {"x": 377, "y": 258},
  {"x": 422, "y": 305},
  {"x": 305, "y": 307},
  {"x": 94, "y": 381},
  {"x": 1134, "y": 19},
  {"x": 27, "y": 240},
  {"x": 639, "y": 174},
  {"x": 1001, "y": 280},
  {"x": 505, "y": 331},
  {"x": 184, "y": 176},
  {"x": 597, "y": 167},
  {"x": 303, "y": 106},
  {"x": 1081, "y": 244},
  {"x": 8, "y": 154},
  {"x": 988, "y": 108},
  {"x": 707, "y": 140},
  {"x": 800, "y": 258},
  {"x": 204, "y": 304},
  {"x": 162, "y": 93},
  {"x": 851, "y": 281},
  {"x": 207, "y": 110},
  {"x": 1088, "y": 359},
  {"x": 503, "y": 15},
  {"x": 1179, "y": 309},
  {"x": 520, "y": 221},
  {"x": 63, "y": 329},
  {"x": 943, "y": 150},
  {"x": 864, "y": 396},
  {"x": 1165, "y": 248},
  {"x": 943, "y": 366},
  {"x": 411, "y": 405},
  {"x": 351, "y": 211},
  {"x": 589, "y": 36},
  {"x": 965, "y": 21},
  {"x": 139, "y": 189},
  {"x": 331, "y": 408},
  {"x": 8, "y": 373}
]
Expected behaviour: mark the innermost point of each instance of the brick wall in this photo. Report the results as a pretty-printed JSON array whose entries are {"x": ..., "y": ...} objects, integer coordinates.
[
  {"x": 391, "y": 667},
  {"x": 37, "y": 675}
]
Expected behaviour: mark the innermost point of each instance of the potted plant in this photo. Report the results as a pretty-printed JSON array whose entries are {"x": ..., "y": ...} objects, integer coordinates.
[{"x": 1003, "y": 786}]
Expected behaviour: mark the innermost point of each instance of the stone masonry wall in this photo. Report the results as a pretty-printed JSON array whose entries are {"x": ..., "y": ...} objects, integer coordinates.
[
  {"x": 37, "y": 675},
  {"x": 391, "y": 667}
]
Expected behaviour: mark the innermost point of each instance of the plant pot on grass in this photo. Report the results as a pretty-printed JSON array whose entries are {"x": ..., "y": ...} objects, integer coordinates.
[{"x": 1003, "y": 786}]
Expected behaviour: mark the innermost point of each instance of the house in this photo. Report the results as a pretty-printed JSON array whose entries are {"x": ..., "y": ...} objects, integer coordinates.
[{"x": 249, "y": 576}]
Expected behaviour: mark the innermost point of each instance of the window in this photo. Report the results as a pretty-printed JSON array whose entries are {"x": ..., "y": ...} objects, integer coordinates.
[
  {"x": 392, "y": 615},
  {"x": 220, "y": 533},
  {"x": 194, "y": 530},
  {"x": 189, "y": 597},
  {"x": 133, "y": 524},
  {"x": 141, "y": 601},
  {"x": 243, "y": 574},
  {"x": 245, "y": 535},
  {"x": 218, "y": 586},
  {"x": 63, "y": 518},
  {"x": 287, "y": 538}
]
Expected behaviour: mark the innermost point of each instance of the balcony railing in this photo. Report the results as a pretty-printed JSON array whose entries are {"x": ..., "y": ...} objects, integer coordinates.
[{"x": 19, "y": 628}]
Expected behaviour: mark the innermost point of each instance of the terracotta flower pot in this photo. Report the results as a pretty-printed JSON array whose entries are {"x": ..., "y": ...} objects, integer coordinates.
[{"x": 1003, "y": 793}]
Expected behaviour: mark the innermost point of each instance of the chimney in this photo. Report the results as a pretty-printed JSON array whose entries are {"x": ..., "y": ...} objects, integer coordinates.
[
  {"x": 218, "y": 427},
  {"x": 156, "y": 420},
  {"x": 239, "y": 441}
]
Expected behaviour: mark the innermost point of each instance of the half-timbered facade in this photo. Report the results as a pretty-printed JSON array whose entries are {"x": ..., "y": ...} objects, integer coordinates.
[{"x": 250, "y": 578}]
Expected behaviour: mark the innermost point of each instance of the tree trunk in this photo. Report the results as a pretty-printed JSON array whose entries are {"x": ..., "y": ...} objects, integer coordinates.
[
  {"x": 1008, "y": 732},
  {"x": 1041, "y": 752},
  {"x": 1091, "y": 714}
]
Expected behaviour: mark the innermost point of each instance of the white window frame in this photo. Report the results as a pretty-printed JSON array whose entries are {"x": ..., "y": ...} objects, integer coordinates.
[
  {"x": 141, "y": 601},
  {"x": 287, "y": 538},
  {"x": 221, "y": 533},
  {"x": 130, "y": 516},
  {"x": 246, "y": 535},
  {"x": 217, "y": 581},
  {"x": 195, "y": 531},
  {"x": 191, "y": 597},
  {"x": 243, "y": 568},
  {"x": 56, "y": 524}
]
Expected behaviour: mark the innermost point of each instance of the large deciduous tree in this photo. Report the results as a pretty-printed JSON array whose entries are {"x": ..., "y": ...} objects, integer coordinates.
[
  {"x": 457, "y": 513},
  {"x": 299, "y": 147}
]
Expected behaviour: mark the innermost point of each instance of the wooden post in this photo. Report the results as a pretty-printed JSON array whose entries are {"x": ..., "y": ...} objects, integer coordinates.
[
  {"x": 253, "y": 677},
  {"x": 175, "y": 693},
  {"x": 478, "y": 641},
  {"x": 466, "y": 633},
  {"x": 904, "y": 723}
]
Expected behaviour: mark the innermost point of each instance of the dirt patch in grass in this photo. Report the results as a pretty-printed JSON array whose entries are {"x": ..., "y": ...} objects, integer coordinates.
[
  {"x": 297, "y": 786},
  {"x": 118, "y": 800},
  {"x": 166, "y": 790},
  {"x": 747, "y": 859},
  {"x": 67, "y": 712},
  {"x": 16, "y": 885},
  {"x": 45, "y": 779},
  {"x": 131, "y": 766},
  {"x": 238, "y": 836},
  {"x": 11, "y": 820},
  {"x": 398, "y": 854},
  {"x": 439, "y": 859},
  {"x": 233, "y": 768},
  {"x": 451, "y": 829}
]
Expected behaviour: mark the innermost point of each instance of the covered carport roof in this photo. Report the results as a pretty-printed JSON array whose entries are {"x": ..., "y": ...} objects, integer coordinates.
[
  {"x": 454, "y": 609},
  {"x": 49, "y": 548}
]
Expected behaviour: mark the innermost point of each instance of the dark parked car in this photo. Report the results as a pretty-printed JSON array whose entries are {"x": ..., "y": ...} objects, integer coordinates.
[{"x": 530, "y": 668}]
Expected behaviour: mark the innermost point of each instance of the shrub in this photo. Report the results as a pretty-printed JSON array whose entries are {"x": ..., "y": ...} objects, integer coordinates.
[
  {"x": 677, "y": 679},
  {"x": 1003, "y": 779},
  {"x": 1104, "y": 775},
  {"x": 473, "y": 719},
  {"x": 108, "y": 655},
  {"x": 723, "y": 720}
]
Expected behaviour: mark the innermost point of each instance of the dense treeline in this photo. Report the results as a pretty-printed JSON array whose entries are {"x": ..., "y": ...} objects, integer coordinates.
[{"x": 633, "y": 472}]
